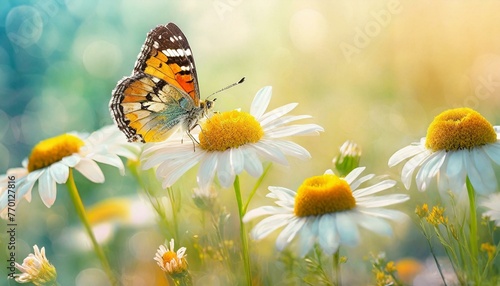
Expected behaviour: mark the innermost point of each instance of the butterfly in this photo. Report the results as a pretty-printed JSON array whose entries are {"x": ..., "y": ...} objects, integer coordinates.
[{"x": 162, "y": 94}]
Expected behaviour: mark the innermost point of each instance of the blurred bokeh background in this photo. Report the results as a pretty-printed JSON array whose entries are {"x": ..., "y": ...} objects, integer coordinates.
[{"x": 373, "y": 72}]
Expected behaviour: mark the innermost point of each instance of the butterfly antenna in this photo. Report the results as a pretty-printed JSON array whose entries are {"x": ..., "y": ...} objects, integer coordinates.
[{"x": 227, "y": 87}]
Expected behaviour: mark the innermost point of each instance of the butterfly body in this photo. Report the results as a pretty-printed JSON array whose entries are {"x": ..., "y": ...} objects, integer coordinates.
[{"x": 162, "y": 94}]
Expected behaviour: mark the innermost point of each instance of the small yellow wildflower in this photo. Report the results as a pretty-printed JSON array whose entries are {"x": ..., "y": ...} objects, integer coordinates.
[
  {"x": 436, "y": 217},
  {"x": 489, "y": 249},
  {"x": 422, "y": 211}
]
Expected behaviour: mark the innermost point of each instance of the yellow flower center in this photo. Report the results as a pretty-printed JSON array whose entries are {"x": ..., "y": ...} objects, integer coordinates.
[
  {"x": 457, "y": 129},
  {"x": 229, "y": 130},
  {"x": 108, "y": 210},
  {"x": 52, "y": 150},
  {"x": 323, "y": 194},
  {"x": 169, "y": 256}
]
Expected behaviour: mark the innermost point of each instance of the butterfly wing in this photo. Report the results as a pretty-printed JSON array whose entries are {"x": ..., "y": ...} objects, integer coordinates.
[
  {"x": 147, "y": 109},
  {"x": 166, "y": 54},
  {"x": 150, "y": 105}
]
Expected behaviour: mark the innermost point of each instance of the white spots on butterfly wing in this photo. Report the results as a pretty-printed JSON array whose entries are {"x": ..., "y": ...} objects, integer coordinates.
[
  {"x": 156, "y": 45},
  {"x": 172, "y": 39},
  {"x": 130, "y": 107},
  {"x": 187, "y": 52},
  {"x": 174, "y": 53},
  {"x": 185, "y": 68},
  {"x": 153, "y": 106},
  {"x": 181, "y": 52}
]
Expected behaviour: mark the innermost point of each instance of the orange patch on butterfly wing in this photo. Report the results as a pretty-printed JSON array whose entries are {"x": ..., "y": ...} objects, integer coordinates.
[
  {"x": 137, "y": 91},
  {"x": 133, "y": 98},
  {"x": 187, "y": 84}
]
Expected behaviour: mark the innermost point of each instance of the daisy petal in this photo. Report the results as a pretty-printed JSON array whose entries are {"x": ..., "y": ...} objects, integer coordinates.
[
  {"x": 47, "y": 189},
  {"x": 237, "y": 160},
  {"x": 328, "y": 238},
  {"x": 268, "y": 225},
  {"x": 261, "y": 102},
  {"x": 208, "y": 166},
  {"x": 307, "y": 236},
  {"x": 225, "y": 172},
  {"x": 276, "y": 113},
  {"x": 493, "y": 152},
  {"x": 347, "y": 229},
  {"x": 375, "y": 224},
  {"x": 265, "y": 210},
  {"x": 110, "y": 159},
  {"x": 403, "y": 154},
  {"x": 288, "y": 233},
  {"x": 90, "y": 170},
  {"x": 252, "y": 164},
  {"x": 59, "y": 172}
]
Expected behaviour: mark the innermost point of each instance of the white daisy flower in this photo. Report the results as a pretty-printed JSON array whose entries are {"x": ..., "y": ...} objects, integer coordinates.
[
  {"x": 231, "y": 142},
  {"x": 36, "y": 269},
  {"x": 327, "y": 210},
  {"x": 107, "y": 217},
  {"x": 7, "y": 187},
  {"x": 460, "y": 143},
  {"x": 51, "y": 159},
  {"x": 172, "y": 262},
  {"x": 492, "y": 204}
]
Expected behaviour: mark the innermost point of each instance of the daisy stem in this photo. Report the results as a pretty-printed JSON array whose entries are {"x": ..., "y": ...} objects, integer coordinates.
[
  {"x": 257, "y": 184},
  {"x": 243, "y": 233},
  {"x": 428, "y": 238},
  {"x": 473, "y": 230},
  {"x": 173, "y": 203},
  {"x": 336, "y": 267},
  {"x": 80, "y": 210}
]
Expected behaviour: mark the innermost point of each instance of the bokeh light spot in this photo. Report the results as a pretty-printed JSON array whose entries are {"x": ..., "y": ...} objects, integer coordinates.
[
  {"x": 24, "y": 26},
  {"x": 308, "y": 30},
  {"x": 101, "y": 58}
]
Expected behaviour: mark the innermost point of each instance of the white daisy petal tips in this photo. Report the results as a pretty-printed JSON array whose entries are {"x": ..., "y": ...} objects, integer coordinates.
[
  {"x": 36, "y": 269},
  {"x": 171, "y": 262},
  {"x": 51, "y": 159},
  {"x": 460, "y": 144},
  {"x": 230, "y": 143},
  {"x": 327, "y": 210}
]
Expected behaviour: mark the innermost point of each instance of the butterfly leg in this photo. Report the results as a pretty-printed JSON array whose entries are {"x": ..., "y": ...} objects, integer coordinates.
[{"x": 192, "y": 140}]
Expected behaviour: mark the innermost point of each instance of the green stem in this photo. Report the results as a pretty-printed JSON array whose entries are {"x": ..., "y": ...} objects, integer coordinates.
[
  {"x": 243, "y": 233},
  {"x": 174, "y": 205},
  {"x": 257, "y": 184},
  {"x": 428, "y": 238},
  {"x": 473, "y": 230},
  {"x": 80, "y": 210},
  {"x": 183, "y": 281},
  {"x": 336, "y": 267}
]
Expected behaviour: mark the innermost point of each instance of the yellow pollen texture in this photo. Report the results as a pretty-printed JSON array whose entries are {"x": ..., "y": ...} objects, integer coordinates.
[
  {"x": 169, "y": 256},
  {"x": 52, "y": 150},
  {"x": 323, "y": 194},
  {"x": 458, "y": 129},
  {"x": 229, "y": 130}
]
